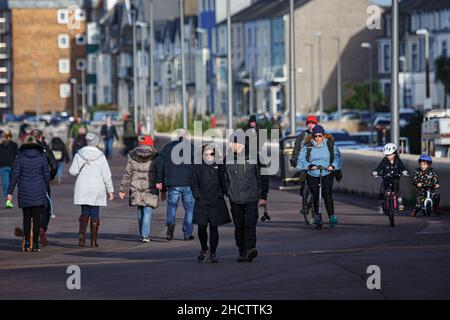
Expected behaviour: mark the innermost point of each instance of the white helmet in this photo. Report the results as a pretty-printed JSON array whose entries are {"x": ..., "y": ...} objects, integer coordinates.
[{"x": 389, "y": 149}]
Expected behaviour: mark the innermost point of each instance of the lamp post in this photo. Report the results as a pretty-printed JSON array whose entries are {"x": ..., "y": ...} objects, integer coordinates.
[
  {"x": 368, "y": 46},
  {"x": 395, "y": 116},
  {"x": 319, "y": 40},
  {"x": 75, "y": 96},
  {"x": 83, "y": 92},
  {"x": 292, "y": 69},
  {"x": 424, "y": 32},
  {"x": 311, "y": 46},
  {"x": 183, "y": 66},
  {"x": 339, "y": 77},
  {"x": 402, "y": 59},
  {"x": 143, "y": 82},
  {"x": 37, "y": 91},
  {"x": 229, "y": 68}
]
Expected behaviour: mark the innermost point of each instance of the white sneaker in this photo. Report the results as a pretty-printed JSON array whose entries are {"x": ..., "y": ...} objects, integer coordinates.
[{"x": 146, "y": 240}]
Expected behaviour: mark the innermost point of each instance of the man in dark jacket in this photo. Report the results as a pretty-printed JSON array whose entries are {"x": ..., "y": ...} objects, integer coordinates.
[
  {"x": 247, "y": 188},
  {"x": 109, "y": 133},
  {"x": 31, "y": 172},
  {"x": 177, "y": 179},
  {"x": 53, "y": 167},
  {"x": 311, "y": 123}
]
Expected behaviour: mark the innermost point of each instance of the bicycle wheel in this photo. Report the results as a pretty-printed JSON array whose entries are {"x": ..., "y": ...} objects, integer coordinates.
[
  {"x": 391, "y": 212},
  {"x": 308, "y": 207}
]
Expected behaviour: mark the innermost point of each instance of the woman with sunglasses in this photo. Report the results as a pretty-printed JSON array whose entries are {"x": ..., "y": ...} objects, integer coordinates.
[
  {"x": 320, "y": 151},
  {"x": 207, "y": 185}
]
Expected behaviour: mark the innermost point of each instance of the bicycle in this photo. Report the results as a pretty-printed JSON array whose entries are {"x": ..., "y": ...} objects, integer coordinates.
[
  {"x": 390, "y": 203},
  {"x": 428, "y": 203}
]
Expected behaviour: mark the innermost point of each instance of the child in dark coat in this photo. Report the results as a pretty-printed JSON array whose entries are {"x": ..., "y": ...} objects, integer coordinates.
[{"x": 425, "y": 177}]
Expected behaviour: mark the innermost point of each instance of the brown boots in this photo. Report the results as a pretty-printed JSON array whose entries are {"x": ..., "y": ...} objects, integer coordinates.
[
  {"x": 95, "y": 223},
  {"x": 83, "y": 226}
]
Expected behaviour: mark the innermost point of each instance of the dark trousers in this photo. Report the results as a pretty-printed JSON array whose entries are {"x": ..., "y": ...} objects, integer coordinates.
[
  {"x": 213, "y": 237},
  {"x": 327, "y": 192},
  {"x": 29, "y": 214},
  {"x": 46, "y": 215},
  {"x": 245, "y": 217}
]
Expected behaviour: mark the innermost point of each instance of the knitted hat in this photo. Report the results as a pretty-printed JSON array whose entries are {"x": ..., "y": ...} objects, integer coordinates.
[
  {"x": 146, "y": 140},
  {"x": 92, "y": 139},
  {"x": 312, "y": 119},
  {"x": 318, "y": 129}
]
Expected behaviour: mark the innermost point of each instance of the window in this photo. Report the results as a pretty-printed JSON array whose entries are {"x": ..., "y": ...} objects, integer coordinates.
[
  {"x": 79, "y": 39},
  {"x": 444, "y": 49},
  {"x": 64, "y": 90},
  {"x": 81, "y": 64},
  {"x": 414, "y": 58},
  {"x": 80, "y": 15},
  {"x": 387, "y": 58},
  {"x": 64, "y": 65},
  {"x": 62, "y": 16},
  {"x": 92, "y": 64},
  {"x": 63, "y": 41}
]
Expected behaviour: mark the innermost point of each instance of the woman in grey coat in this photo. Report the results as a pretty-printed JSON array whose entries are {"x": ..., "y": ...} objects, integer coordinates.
[{"x": 138, "y": 180}]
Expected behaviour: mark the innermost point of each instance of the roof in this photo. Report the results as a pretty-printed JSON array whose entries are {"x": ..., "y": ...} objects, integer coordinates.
[
  {"x": 265, "y": 9},
  {"x": 44, "y": 4}
]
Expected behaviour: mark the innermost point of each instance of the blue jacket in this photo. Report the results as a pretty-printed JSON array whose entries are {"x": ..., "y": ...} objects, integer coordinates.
[
  {"x": 32, "y": 175},
  {"x": 319, "y": 156}
]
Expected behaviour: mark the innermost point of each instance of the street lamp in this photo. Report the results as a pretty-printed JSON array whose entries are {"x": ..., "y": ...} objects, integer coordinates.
[
  {"x": 37, "y": 93},
  {"x": 292, "y": 70},
  {"x": 75, "y": 106},
  {"x": 319, "y": 40},
  {"x": 424, "y": 32},
  {"x": 229, "y": 70},
  {"x": 368, "y": 46},
  {"x": 183, "y": 65},
  {"x": 402, "y": 59},
  {"x": 143, "y": 84},
  {"x": 311, "y": 46},
  {"x": 339, "y": 77}
]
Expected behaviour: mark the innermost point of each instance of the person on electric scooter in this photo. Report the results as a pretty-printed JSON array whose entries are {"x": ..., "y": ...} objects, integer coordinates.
[
  {"x": 320, "y": 151},
  {"x": 390, "y": 169},
  {"x": 425, "y": 177}
]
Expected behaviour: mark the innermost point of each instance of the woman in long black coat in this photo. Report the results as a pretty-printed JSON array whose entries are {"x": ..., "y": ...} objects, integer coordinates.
[{"x": 207, "y": 185}]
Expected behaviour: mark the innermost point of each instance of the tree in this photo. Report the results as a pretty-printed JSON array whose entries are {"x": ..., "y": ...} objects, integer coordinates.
[
  {"x": 443, "y": 75},
  {"x": 360, "y": 98}
]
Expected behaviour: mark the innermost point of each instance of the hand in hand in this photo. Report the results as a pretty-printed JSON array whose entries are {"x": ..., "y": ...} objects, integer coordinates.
[
  {"x": 111, "y": 196},
  {"x": 122, "y": 195}
]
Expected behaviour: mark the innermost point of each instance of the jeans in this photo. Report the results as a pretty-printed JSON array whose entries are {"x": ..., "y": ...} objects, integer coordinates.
[
  {"x": 90, "y": 211},
  {"x": 5, "y": 173},
  {"x": 108, "y": 148},
  {"x": 145, "y": 221},
  {"x": 59, "y": 169},
  {"x": 174, "y": 195}
]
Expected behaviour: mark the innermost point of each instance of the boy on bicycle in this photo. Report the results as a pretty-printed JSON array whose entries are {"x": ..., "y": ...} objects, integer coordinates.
[
  {"x": 425, "y": 177},
  {"x": 390, "y": 169}
]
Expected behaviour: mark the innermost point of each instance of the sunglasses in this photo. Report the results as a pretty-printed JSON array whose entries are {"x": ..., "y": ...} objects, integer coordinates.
[
  {"x": 318, "y": 136},
  {"x": 210, "y": 154}
]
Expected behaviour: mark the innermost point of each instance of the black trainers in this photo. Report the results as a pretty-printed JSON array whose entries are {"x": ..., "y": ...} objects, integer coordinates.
[
  {"x": 36, "y": 248},
  {"x": 170, "y": 231},
  {"x": 189, "y": 238},
  {"x": 241, "y": 259},
  {"x": 213, "y": 258},
  {"x": 202, "y": 257},
  {"x": 251, "y": 254}
]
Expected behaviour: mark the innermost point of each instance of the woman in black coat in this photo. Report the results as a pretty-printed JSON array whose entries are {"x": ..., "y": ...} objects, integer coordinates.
[
  {"x": 32, "y": 175},
  {"x": 210, "y": 208}
]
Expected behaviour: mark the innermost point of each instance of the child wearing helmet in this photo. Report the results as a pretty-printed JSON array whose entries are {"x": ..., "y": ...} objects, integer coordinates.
[
  {"x": 390, "y": 168},
  {"x": 425, "y": 177}
]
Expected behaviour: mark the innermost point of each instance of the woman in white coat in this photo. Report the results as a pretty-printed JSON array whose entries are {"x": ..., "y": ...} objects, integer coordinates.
[{"x": 93, "y": 184}]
